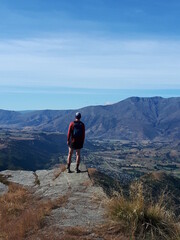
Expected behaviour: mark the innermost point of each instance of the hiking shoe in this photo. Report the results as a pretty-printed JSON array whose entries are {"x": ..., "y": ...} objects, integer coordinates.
[
  {"x": 77, "y": 170},
  {"x": 68, "y": 170}
]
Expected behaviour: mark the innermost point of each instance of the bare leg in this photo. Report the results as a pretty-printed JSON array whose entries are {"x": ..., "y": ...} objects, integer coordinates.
[
  {"x": 77, "y": 159},
  {"x": 69, "y": 157}
]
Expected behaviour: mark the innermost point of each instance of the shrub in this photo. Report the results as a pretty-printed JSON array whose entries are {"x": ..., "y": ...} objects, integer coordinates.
[{"x": 142, "y": 219}]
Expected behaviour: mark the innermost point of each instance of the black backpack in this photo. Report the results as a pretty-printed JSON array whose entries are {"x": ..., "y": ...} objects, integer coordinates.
[{"x": 78, "y": 129}]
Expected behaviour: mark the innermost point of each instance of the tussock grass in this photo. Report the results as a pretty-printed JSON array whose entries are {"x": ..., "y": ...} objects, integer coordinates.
[
  {"x": 64, "y": 233},
  {"x": 77, "y": 231},
  {"x": 21, "y": 213},
  {"x": 111, "y": 231},
  {"x": 87, "y": 183},
  {"x": 141, "y": 219}
]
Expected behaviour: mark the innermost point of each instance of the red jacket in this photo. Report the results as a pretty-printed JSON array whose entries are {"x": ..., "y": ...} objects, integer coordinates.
[{"x": 70, "y": 133}]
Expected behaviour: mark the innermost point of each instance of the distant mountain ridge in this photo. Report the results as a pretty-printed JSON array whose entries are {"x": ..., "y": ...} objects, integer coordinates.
[{"x": 134, "y": 118}]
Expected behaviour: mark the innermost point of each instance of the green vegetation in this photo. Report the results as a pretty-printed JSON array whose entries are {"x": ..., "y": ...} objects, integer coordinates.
[{"x": 118, "y": 158}]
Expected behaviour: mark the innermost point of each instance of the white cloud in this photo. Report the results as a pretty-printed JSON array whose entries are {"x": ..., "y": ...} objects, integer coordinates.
[{"x": 79, "y": 61}]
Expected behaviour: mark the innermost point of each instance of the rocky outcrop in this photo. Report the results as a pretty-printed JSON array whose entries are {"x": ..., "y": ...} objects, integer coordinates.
[
  {"x": 84, "y": 202},
  {"x": 25, "y": 178}
]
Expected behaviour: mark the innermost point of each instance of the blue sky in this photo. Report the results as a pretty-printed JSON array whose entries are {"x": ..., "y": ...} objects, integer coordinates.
[{"x": 77, "y": 45}]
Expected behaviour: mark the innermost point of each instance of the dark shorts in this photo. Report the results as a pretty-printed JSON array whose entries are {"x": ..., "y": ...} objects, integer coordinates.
[{"x": 76, "y": 145}]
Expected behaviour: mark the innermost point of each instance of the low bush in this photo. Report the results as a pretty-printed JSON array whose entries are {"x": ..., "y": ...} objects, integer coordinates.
[{"x": 141, "y": 219}]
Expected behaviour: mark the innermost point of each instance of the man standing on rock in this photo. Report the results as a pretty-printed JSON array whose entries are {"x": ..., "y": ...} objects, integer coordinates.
[{"x": 75, "y": 140}]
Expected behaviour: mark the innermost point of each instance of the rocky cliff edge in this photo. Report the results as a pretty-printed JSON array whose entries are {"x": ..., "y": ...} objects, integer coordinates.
[{"x": 83, "y": 207}]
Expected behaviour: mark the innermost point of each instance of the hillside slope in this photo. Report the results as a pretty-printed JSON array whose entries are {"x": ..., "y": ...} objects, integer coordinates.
[
  {"x": 30, "y": 151},
  {"x": 157, "y": 183},
  {"x": 132, "y": 119}
]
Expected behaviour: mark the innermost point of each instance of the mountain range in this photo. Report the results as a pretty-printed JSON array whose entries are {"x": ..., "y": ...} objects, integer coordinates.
[{"x": 134, "y": 118}]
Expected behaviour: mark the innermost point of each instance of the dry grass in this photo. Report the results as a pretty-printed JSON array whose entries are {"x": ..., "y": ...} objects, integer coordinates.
[
  {"x": 91, "y": 171},
  {"x": 142, "y": 220},
  {"x": 21, "y": 213},
  {"x": 100, "y": 232},
  {"x": 64, "y": 233},
  {"x": 105, "y": 232},
  {"x": 77, "y": 231},
  {"x": 111, "y": 231},
  {"x": 87, "y": 183}
]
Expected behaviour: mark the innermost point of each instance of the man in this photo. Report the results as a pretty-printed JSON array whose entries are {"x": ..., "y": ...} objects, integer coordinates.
[{"x": 75, "y": 140}]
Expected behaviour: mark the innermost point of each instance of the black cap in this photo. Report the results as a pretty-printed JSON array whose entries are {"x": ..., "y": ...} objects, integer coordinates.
[{"x": 78, "y": 115}]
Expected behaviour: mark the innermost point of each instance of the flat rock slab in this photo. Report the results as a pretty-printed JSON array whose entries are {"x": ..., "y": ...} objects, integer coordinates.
[
  {"x": 51, "y": 186},
  {"x": 84, "y": 204},
  {"x": 25, "y": 178}
]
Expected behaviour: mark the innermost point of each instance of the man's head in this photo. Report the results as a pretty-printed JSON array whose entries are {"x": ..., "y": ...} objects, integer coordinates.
[{"x": 78, "y": 115}]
